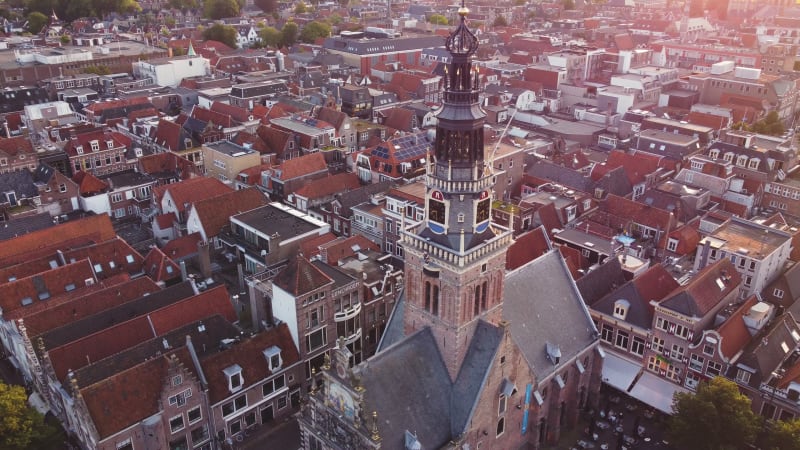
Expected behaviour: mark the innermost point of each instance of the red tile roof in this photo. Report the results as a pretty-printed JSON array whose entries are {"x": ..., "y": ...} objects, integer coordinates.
[
  {"x": 95, "y": 228},
  {"x": 248, "y": 354},
  {"x": 167, "y": 162},
  {"x": 310, "y": 247},
  {"x": 636, "y": 165},
  {"x": 160, "y": 267},
  {"x": 16, "y": 145},
  {"x": 527, "y": 247},
  {"x": 734, "y": 332},
  {"x": 655, "y": 284},
  {"x": 89, "y": 304},
  {"x": 182, "y": 247},
  {"x": 237, "y": 113},
  {"x": 328, "y": 186},
  {"x": 109, "y": 258},
  {"x": 97, "y": 107},
  {"x": 88, "y": 184},
  {"x": 168, "y": 134},
  {"x": 190, "y": 191},
  {"x": 26, "y": 291},
  {"x": 207, "y": 115},
  {"x": 639, "y": 213},
  {"x": 302, "y": 166},
  {"x": 215, "y": 212},
  {"x": 117, "y": 338},
  {"x": 703, "y": 293},
  {"x": 300, "y": 277},
  {"x": 334, "y": 251}
]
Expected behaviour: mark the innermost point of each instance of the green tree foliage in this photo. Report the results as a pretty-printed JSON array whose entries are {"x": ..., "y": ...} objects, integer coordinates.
[
  {"x": 500, "y": 21},
  {"x": 301, "y": 8},
  {"x": 36, "y": 21},
  {"x": 65, "y": 39},
  {"x": 184, "y": 4},
  {"x": 222, "y": 33},
  {"x": 784, "y": 435},
  {"x": 97, "y": 70},
  {"x": 69, "y": 10},
  {"x": 20, "y": 425},
  {"x": 717, "y": 417},
  {"x": 271, "y": 37},
  {"x": 289, "y": 34},
  {"x": 268, "y": 6},
  {"x": 218, "y": 9},
  {"x": 437, "y": 19},
  {"x": 315, "y": 30},
  {"x": 771, "y": 125}
]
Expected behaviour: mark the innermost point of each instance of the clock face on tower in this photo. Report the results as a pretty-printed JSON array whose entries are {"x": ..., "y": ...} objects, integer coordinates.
[
  {"x": 436, "y": 211},
  {"x": 483, "y": 210}
]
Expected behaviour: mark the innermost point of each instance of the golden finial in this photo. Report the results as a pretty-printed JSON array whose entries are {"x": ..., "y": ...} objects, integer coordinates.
[
  {"x": 327, "y": 364},
  {"x": 375, "y": 435}
]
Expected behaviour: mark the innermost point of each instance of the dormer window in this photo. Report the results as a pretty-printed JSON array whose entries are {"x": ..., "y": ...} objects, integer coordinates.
[
  {"x": 95, "y": 145},
  {"x": 235, "y": 379},
  {"x": 621, "y": 307},
  {"x": 110, "y": 143},
  {"x": 274, "y": 360},
  {"x": 79, "y": 149}
]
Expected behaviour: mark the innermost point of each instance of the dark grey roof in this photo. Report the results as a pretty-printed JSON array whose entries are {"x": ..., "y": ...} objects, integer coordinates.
[
  {"x": 409, "y": 386},
  {"x": 616, "y": 182},
  {"x": 205, "y": 340},
  {"x": 561, "y": 175},
  {"x": 766, "y": 355},
  {"x": 43, "y": 173},
  {"x": 21, "y": 182},
  {"x": 339, "y": 278},
  {"x": 639, "y": 311},
  {"x": 394, "y": 330},
  {"x": 25, "y": 225},
  {"x": 355, "y": 197},
  {"x": 599, "y": 282},
  {"x": 124, "y": 312},
  {"x": 544, "y": 307},
  {"x": 472, "y": 377},
  {"x": 270, "y": 219}
]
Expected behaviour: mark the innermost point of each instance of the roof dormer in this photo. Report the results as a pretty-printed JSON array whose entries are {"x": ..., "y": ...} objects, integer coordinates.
[
  {"x": 621, "y": 308},
  {"x": 235, "y": 379},
  {"x": 274, "y": 360}
]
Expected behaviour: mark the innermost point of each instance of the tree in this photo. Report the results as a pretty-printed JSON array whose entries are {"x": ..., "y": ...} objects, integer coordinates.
[
  {"x": 784, "y": 435},
  {"x": 222, "y": 33},
  {"x": 500, "y": 21},
  {"x": 218, "y": 9},
  {"x": 271, "y": 37},
  {"x": 97, "y": 70},
  {"x": 36, "y": 21},
  {"x": 19, "y": 423},
  {"x": 437, "y": 19},
  {"x": 65, "y": 39},
  {"x": 301, "y": 8},
  {"x": 289, "y": 34},
  {"x": 268, "y": 6},
  {"x": 718, "y": 417},
  {"x": 315, "y": 30}
]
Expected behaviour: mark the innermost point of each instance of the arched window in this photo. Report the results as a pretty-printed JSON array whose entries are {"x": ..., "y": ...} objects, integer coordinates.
[
  {"x": 435, "y": 303},
  {"x": 477, "y": 300},
  {"x": 484, "y": 287},
  {"x": 427, "y": 296}
]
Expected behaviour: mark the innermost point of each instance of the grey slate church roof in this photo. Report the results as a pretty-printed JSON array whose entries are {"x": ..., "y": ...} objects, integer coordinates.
[{"x": 554, "y": 314}]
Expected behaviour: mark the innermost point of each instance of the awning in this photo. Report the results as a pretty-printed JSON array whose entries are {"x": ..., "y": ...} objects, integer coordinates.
[
  {"x": 38, "y": 403},
  {"x": 619, "y": 372},
  {"x": 656, "y": 392}
]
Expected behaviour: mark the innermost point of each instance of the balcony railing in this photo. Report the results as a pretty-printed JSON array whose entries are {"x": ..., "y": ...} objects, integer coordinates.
[
  {"x": 348, "y": 313},
  {"x": 353, "y": 337}
]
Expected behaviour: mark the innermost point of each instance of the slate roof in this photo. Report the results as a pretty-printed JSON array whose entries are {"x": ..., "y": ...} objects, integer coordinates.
[
  {"x": 766, "y": 355},
  {"x": 559, "y": 318},
  {"x": 300, "y": 277},
  {"x": 702, "y": 294},
  {"x": 395, "y": 374},
  {"x": 603, "y": 280},
  {"x": 24, "y": 225},
  {"x": 652, "y": 285},
  {"x": 20, "y": 182},
  {"x": 562, "y": 175}
]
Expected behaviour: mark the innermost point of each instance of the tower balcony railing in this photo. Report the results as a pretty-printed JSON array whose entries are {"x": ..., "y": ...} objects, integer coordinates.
[
  {"x": 466, "y": 186},
  {"x": 347, "y": 313},
  {"x": 456, "y": 259},
  {"x": 461, "y": 97}
]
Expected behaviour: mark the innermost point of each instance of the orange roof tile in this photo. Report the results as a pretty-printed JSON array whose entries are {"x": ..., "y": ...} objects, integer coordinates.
[
  {"x": 215, "y": 212},
  {"x": 734, "y": 332}
]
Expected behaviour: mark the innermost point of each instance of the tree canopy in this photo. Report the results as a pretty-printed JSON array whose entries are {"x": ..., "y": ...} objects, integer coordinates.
[
  {"x": 717, "y": 417},
  {"x": 500, "y": 21},
  {"x": 72, "y": 9},
  {"x": 271, "y": 37},
  {"x": 437, "y": 19},
  {"x": 222, "y": 33},
  {"x": 268, "y": 6},
  {"x": 36, "y": 21},
  {"x": 20, "y": 425},
  {"x": 218, "y": 9},
  {"x": 289, "y": 34},
  {"x": 771, "y": 125},
  {"x": 784, "y": 435},
  {"x": 315, "y": 30},
  {"x": 301, "y": 8}
]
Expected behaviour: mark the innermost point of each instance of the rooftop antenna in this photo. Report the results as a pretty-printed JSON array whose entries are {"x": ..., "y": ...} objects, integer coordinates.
[{"x": 489, "y": 164}]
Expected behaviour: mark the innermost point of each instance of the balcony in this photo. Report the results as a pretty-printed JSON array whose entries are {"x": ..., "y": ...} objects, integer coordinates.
[
  {"x": 353, "y": 337},
  {"x": 347, "y": 313}
]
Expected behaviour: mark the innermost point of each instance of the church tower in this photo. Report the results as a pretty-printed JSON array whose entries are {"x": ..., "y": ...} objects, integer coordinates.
[{"x": 455, "y": 258}]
